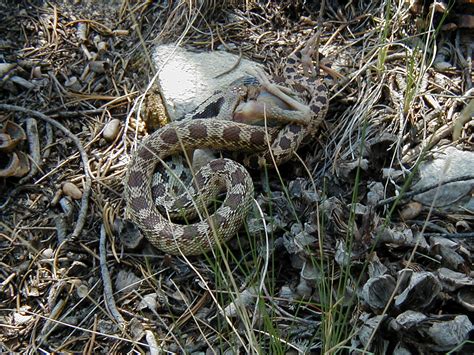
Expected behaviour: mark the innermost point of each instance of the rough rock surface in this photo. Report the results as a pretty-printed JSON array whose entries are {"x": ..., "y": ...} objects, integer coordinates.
[
  {"x": 450, "y": 163},
  {"x": 187, "y": 78}
]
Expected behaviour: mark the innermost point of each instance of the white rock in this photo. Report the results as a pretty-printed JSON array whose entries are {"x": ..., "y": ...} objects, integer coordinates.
[
  {"x": 188, "y": 78},
  {"x": 111, "y": 130}
]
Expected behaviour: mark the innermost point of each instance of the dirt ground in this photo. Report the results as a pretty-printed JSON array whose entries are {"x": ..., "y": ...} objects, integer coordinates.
[{"x": 348, "y": 259}]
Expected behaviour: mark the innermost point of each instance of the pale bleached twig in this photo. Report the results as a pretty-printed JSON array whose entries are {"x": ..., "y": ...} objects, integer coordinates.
[{"x": 108, "y": 291}]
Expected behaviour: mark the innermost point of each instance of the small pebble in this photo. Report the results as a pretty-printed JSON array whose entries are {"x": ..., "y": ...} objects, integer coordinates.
[
  {"x": 48, "y": 253},
  {"x": 111, "y": 130},
  {"x": 99, "y": 66},
  {"x": 82, "y": 290},
  {"x": 36, "y": 72},
  {"x": 73, "y": 83},
  {"x": 71, "y": 190},
  {"x": 411, "y": 210}
]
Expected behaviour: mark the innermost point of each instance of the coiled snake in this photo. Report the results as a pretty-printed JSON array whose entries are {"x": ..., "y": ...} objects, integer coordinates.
[{"x": 250, "y": 118}]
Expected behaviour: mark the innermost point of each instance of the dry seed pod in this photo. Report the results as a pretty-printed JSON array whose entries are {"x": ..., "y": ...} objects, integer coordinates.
[
  {"x": 15, "y": 133},
  {"x": 423, "y": 288},
  {"x": 346, "y": 170},
  {"x": 377, "y": 291},
  {"x": 452, "y": 280},
  {"x": 462, "y": 226},
  {"x": 36, "y": 72},
  {"x": 71, "y": 190},
  {"x": 17, "y": 165},
  {"x": 6, "y": 143},
  {"x": 99, "y": 66},
  {"x": 111, "y": 130},
  {"x": 73, "y": 83},
  {"x": 433, "y": 332},
  {"x": 246, "y": 298},
  {"x": 5, "y": 68},
  {"x": 465, "y": 297}
]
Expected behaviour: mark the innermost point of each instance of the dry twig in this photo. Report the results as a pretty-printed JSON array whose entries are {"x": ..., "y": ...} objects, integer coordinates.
[
  {"x": 34, "y": 144},
  {"x": 407, "y": 195},
  {"x": 108, "y": 291}
]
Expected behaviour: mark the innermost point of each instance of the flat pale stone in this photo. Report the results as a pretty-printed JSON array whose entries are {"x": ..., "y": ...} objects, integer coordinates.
[
  {"x": 448, "y": 163},
  {"x": 188, "y": 78}
]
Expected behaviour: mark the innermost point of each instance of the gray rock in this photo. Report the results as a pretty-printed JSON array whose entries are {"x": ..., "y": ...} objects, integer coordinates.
[
  {"x": 187, "y": 78},
  {"x": 447, "y": 164}
]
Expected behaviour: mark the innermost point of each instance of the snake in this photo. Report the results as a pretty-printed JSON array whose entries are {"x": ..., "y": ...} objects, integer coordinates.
[{"x": 264, "y": 120}]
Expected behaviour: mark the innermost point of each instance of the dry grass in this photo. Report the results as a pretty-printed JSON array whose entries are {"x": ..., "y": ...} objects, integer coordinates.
[{"x": 53, "y": 294}]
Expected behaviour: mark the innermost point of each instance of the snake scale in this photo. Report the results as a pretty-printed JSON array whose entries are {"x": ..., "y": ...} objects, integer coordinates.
[{"x": 238, "y": 125}]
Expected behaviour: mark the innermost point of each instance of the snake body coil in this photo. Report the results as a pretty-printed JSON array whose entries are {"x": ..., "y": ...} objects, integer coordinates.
[{"x": 219, "y": 175}]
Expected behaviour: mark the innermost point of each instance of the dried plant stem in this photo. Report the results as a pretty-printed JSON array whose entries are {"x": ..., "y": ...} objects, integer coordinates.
[
  {"x": 35, "y": 149},
  {"x": 108, "y": 291},
  {"x": 424, "y": 189},
  {"x": 81, "y": 219}
]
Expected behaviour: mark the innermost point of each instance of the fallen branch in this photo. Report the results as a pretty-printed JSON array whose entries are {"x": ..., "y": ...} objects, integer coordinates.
[{"x": 108, "y": 291}]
